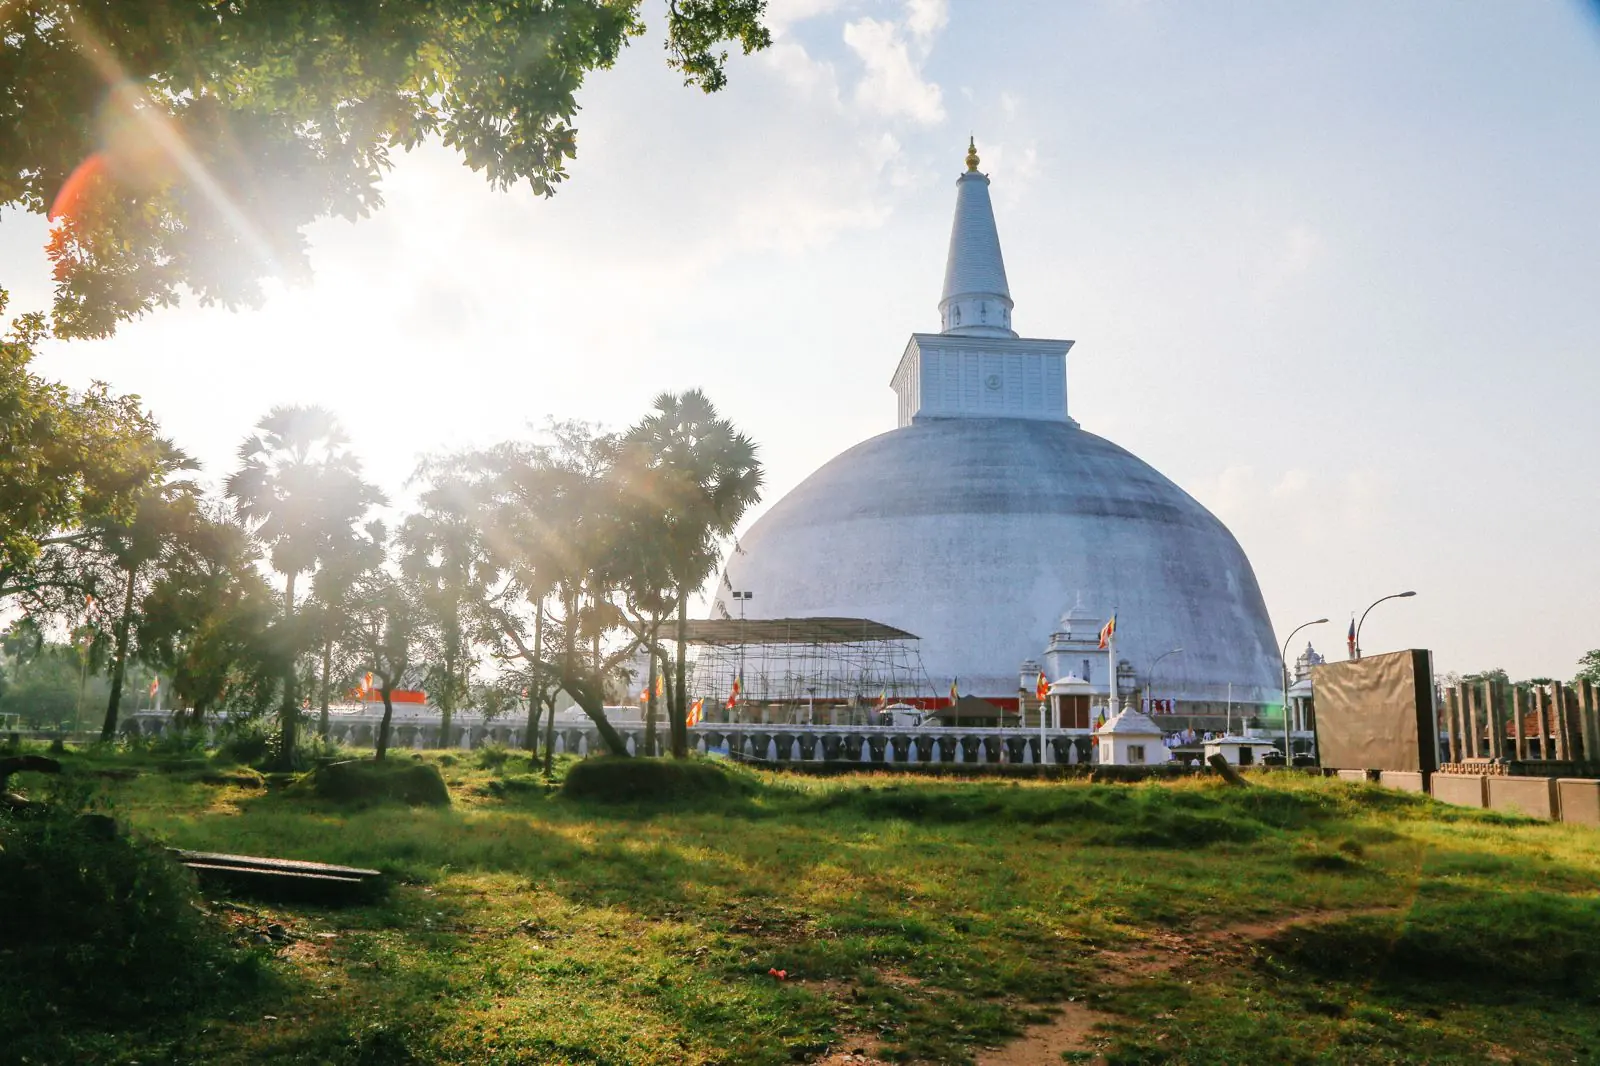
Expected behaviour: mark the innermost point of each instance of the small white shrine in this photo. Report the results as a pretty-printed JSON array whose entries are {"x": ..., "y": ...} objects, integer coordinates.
[
  {"x": 1241, "y": 751},
  {"x": 1131, "y": 739}
]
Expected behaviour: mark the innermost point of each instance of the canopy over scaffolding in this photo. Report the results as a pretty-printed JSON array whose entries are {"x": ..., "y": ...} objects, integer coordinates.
[
  {"x": 728, "y": 631},
  {"x": 805, "y": 661}
]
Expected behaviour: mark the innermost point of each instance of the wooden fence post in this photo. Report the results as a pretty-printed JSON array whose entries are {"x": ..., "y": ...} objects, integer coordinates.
[
  {"x": 1589, "y": 715},
  {"x": 1469, "y": 707},
  {"x": 1558, "y": 701},
  {"x": 1519, "y": 712},
  {"x": 1494, "y": 697},
  {"x": 1452, "y": 741}
]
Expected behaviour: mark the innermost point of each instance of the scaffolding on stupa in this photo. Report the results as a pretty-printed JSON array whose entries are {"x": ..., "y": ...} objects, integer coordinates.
[{"x": 789, "y": 663}]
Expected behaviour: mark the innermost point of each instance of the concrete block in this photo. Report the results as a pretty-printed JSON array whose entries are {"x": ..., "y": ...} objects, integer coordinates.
[
  {"x": 1580, "y": 800},
  {"x": 1464, "y": 790},
  {"x": 1404, "y": 780},
  {"x": 1533, "y": 796},
  {"x": 1358, "y": 776}
]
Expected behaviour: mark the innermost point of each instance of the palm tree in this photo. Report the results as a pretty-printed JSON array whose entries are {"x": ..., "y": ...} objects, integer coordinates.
[
  {"x": 164, "y": 513},
  {"x": 302, "y": 493},
  {"x": 327, "y": 614},
  {"x": 703, "y": 476},
  {"x": 442, "y": 554}
]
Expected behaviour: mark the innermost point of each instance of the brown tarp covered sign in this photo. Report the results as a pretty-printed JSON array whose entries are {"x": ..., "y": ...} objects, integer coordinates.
[{"x": 1376, "y": 713}]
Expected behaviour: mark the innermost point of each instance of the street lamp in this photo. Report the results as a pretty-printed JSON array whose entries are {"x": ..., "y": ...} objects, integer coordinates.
[
  {"x": 743, "y": 597},
  {"x": 1394, "y": 596},
  {"x": 1283, "y": 661},
  {"x": 1152, "y": 674}
]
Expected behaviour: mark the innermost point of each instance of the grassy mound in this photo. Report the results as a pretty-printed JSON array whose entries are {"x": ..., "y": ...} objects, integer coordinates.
[
  {"x": 613, "y": 780},
  {"x": 1500, "y": 951},
  {"x": 363, "y": 781},
  {"x": 100, "y": 931},
  {"x": 1150, "y": 815}
]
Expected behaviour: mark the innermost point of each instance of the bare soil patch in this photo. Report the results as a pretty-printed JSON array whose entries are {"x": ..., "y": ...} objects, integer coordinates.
[{"x": 1073, "y": 1029}]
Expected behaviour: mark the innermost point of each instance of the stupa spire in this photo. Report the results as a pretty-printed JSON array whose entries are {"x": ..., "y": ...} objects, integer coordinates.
[{"x": 976, "y": 300}]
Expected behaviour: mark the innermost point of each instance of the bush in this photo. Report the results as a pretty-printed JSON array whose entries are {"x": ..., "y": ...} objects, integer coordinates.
[
  {"x": 493, "y": 756},
  {"x": 611, "y": 779},
  {"x": 100, "y": 931},
  {"x": 247, "y": 742},
  {"x": 378, "y": 781}
]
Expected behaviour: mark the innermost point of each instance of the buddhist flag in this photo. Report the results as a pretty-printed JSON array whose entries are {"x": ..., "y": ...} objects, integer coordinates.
[
  {"x": 1108, "y": 631},
  {"x": 1042, "y": 688},
  {"x": 155, "y": 686},
  {"x": 1350, "y": 638},
  {"x": 660, "y": 680},
  {"x": 955, "y": 691},
  {"x": 733, "y": 697},
  {"x": 366, "y": 685},
  {"x": 695, "y": 710},
  {"x": 883, "y": 699}
]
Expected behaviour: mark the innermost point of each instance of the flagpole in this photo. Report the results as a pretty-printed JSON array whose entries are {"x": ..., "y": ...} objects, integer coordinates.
[
  {"x": 1111, "y": 650},
  {"x": 1044, "y": 702}
]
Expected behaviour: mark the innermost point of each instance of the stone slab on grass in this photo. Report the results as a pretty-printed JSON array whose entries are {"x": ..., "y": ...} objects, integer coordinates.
[
  {"x": 1533, "y": 796},
  {"x": 1404, "y": 780},
  {"x": 1358, "y": 776},
  {"x": 1580, "y": 800},
  {"x": 1464, "y": 790}
]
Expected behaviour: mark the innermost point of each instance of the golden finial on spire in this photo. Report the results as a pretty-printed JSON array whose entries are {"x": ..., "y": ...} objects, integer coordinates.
[{"x": 972, "y": 155}]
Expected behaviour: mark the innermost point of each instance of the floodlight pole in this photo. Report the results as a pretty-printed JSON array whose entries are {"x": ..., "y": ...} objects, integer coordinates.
[
  {"x": 1151, "y": 676},
  {"x": 1283, "y": 661},
  {"x": 1392, "y": 596},
  {"x": 743, "y": 597}
]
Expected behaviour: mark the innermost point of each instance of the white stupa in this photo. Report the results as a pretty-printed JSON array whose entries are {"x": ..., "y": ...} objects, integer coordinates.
[{"x": 988, "y": 512}]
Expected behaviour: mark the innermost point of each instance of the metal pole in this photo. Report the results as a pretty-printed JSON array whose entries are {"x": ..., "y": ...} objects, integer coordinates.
[
  {"x": 1283, "y": 661},
  {"x": 1163, "y": 655},
  {"x": 1392, "y": 596}
]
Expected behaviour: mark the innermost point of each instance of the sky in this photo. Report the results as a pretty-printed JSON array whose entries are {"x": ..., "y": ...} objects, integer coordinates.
[{"x": 1333, "y": 269}]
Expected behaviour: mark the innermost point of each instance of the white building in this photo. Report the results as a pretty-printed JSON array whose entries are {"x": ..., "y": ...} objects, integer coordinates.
[
  {"x": 989, "y": 511},
  {"x": 1131, "y": 739}
]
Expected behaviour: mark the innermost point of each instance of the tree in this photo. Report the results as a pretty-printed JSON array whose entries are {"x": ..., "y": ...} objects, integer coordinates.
[
  {"x": 327, "y": 614},
  {"x": 210, "y": 624},
  {"x": 550, "y": 515},
  {"x": 442, "y": 554},
  {"x": 301, "y": 493},
  {"x": 67, "y": 460},
  {"x": 1589, "y": 667},
  {"x": 644, "y": 565},
  {"x": 388, "y": 631},
  {"x": 701, "y": 474},
  {"x": 189, "y": 144},
  {"x": 164, "y": 515}
]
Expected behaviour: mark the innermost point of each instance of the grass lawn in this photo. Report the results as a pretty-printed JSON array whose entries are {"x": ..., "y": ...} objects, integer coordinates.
[{"x": 1300, "y": 920}]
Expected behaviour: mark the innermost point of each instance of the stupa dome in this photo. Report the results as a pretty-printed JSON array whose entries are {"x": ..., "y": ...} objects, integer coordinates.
[
  {"x": 989, "y": 512},
  {"x": 972, "y": 534}
]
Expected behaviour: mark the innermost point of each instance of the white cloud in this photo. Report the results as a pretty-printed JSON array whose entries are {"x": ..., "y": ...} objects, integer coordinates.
[
  {"x": 814, "y": 78},
  {"x": 781, "y": 14},
  {"x": 1300, "y": 251},
  {"x": 894, "y": 54},
  {"x": 925, "y": 18},
  {"x": 1009, "y": 103},
  {"x": 1298, "y": 509}
]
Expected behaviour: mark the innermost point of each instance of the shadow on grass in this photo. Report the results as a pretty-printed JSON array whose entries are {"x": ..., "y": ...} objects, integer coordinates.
[{"x": 1495, "y": 948}]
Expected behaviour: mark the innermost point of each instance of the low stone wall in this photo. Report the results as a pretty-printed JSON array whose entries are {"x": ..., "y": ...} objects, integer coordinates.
[
  {"x": 1533, "y": 796},
  {"x": 1464, "y": 790},
  {"x": 1404, "y": 780},
  {"x": 1355, "y": 776},
  {"x": 1579, "y": 801}
]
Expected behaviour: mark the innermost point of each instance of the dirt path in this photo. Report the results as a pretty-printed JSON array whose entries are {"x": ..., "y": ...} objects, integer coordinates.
[{"x": 1074, "y": 1027}]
